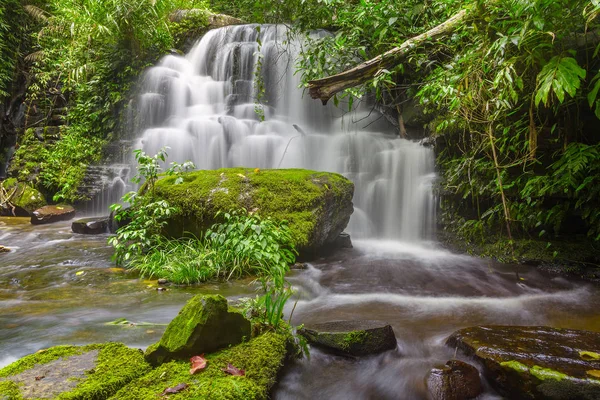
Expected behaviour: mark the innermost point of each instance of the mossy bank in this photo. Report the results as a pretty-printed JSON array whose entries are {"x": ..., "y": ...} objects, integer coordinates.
[
  {"x": 317, "y": 205},
  {"x": 94, "y": 371}
]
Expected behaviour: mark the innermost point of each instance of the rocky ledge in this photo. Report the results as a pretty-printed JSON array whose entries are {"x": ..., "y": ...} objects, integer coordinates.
[{"x": 535, "y": 362}]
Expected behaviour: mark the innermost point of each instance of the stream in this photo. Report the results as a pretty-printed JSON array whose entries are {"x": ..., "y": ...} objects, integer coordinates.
[{"x": 57, "y": 287}]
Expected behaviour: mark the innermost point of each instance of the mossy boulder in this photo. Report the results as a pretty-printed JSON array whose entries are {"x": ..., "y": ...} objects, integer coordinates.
[
  {"x": 23, "y": 197},
  {"x": 317, "y": 205},
  {"x": 261, "y": 358},
  {"x": 203, "y": 325},
  {"x": 535, "y": 362},
  {"x": 353, "y": 338},
  {"x": 94, "y": 371}
]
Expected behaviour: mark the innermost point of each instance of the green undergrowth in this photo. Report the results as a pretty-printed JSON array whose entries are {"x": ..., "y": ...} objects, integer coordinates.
[
  {"x": 261, "y": 358},
  {"x": 244, "y": 244},
  {"x": 289, "y": 194},
  {"x": 571, "y": 254},
  {"x": 116, "y": 365}
]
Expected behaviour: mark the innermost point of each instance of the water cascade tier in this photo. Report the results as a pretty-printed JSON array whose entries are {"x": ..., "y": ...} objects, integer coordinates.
[{"x": 236, "y": 100}]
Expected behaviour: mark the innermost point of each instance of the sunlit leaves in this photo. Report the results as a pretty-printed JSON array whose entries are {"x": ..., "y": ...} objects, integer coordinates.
[{"x": 561, "y": 76}]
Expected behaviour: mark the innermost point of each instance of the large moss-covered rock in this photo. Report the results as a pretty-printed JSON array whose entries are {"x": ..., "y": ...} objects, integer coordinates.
[
  {"x": 94, "y": 371},
  {"x": 23, "y": 197},
  {"x": 354, "y": 338},
  {"x": 203, "y": 325},
  {"x": 535, "y": 362},
  {"x": 317, "y": 205},
  {"x": 261, "y": 358}
]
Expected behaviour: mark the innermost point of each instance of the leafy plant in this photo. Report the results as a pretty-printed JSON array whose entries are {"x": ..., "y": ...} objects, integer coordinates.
[{"x": 146, "y": 217}]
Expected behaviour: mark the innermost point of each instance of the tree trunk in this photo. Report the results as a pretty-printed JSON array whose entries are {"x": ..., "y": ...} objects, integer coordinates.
[{"x": 326, "y": 88}]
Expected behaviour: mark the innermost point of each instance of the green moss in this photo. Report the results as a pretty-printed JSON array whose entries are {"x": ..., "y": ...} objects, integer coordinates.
[
  {"x": 9, "y": 391},
  {"x": 547, "y": 373},
  {"x": 25, "y": 197},
  {"x": 261, "y": 358},
  {"x": 42, "y": 357},
  {"x": 295, "y": 195},
  {"x": 355, "y": 337},
  {"x": 203, "y": 324},
  {"x": 116, "y": 366},
  {"x": 182, "y": 327},
  {"x": 537, "y": 371},
  {"x": 517, "y": 366}
]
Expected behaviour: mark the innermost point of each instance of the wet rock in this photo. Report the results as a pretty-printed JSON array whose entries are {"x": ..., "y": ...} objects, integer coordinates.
[
  {"x": 90, "y": 226},
  {"x": 163, "y": 281},
  {"x": 457, "y": 380},
  {"x": 343, "y": 241},
  {"x": 88, "y": 372},
  {"x": 535, "y": 362},
  {"x": 299, "y": 266},
  {"x": 354, "y": 338},
  {"x": 4, "y": 249},
  {"x": 161, "y": 289},
  {"x": 203, "y": 325},
  {"x": 49, "y": 214},
  {"x": 23, "y": 199}
]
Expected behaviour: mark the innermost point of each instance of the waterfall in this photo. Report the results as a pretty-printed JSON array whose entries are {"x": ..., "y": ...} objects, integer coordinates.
[{"x": 208, "y": 108}]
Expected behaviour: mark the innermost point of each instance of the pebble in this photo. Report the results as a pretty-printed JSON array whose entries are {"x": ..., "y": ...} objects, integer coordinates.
[
  {"x": 162, "y": 281},
  {"x": 161, "y": 289}
]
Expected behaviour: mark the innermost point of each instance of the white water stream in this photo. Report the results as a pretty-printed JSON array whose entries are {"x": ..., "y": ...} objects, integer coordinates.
[{"x": 207, "y": 108}]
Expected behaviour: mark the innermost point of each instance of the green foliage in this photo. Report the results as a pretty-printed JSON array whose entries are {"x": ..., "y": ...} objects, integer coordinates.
[
  {"x": 146, "y": 217},
  {"x": 87, "y": 56},
  {"x": 243, "y": 244},
  {"x": 561, "y": 75}
]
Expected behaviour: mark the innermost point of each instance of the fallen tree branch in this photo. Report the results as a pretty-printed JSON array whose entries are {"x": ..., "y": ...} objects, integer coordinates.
[{"x": 326, "y": 88}]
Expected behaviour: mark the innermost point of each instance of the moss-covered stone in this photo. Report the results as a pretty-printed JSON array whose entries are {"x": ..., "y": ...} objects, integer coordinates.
[
  {"x": 203, "y": 325},
  {"x": 317, "y": 205},
  {"x": 534, "y": 362},
  {"x": 261, "y": 358},
  {"x": 355, "y": 338},
  {"x": 92, "y": 372},
  {"x": 25, "y": 198}
]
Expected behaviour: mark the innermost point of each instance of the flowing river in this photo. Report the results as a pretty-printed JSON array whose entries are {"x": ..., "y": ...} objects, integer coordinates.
[{"x": 57, "y": 287}]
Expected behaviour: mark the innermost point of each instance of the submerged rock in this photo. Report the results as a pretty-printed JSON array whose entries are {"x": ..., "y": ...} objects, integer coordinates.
[
  {"x": 95, "y": 371},
  {"x": 49, "y": 214},
  {"x": 203, "y": 325},
  {"x": 261, "y": 358},
  {"x": 354, "y": 338},
  {"x": 90, "y": 226},
  {"x": 535, "y": 362},
  {"x": 457, "y": 380},
  {"x": 317, "y": 205},
  {"x": 23, "y": 199}
]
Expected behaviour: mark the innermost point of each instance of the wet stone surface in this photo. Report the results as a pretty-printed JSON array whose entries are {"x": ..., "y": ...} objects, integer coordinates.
[
  {"x": 354, "y": 338},
  {"x": 535, "y": 362},
  {"x": 49, "y": 380}
]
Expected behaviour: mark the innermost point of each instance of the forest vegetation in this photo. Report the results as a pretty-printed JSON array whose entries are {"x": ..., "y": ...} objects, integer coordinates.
[{"x": 510, "y": 93}]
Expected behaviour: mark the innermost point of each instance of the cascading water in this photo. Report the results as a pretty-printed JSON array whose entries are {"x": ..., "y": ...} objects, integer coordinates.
[{"x": 204, "y": 107}]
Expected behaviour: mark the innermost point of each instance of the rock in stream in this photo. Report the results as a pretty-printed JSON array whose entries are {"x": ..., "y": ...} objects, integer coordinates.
[{"x": 535, "y": 362}]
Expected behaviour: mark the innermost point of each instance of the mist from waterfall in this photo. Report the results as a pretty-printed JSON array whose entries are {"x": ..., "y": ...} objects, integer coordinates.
[{"x": 205, "y": 107}]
